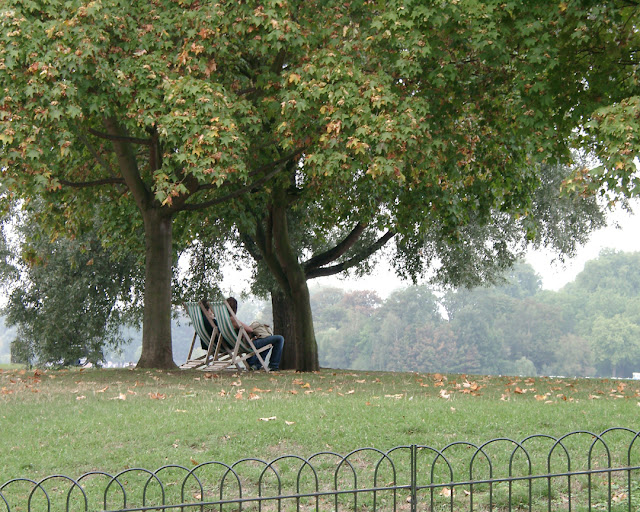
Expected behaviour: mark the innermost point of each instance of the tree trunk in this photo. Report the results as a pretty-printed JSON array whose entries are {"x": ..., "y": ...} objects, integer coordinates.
[
  {"x": 283, "y": 262},
  {"x": 284, "y": 324},
  {"x": 156, "y": 329}
]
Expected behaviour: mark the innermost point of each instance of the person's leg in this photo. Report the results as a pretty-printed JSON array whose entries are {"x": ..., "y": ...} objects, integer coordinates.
[{"x": 276, "y": 352}]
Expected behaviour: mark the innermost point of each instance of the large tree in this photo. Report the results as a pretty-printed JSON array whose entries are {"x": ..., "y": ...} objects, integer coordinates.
[
  {"x": 121, "y": 103},
  {"x": 379, "y": 119},
  {"x": 422, "y": 124}
]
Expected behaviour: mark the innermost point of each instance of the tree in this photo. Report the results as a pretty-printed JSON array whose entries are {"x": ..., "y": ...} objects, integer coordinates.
[
  {"x": 429, "y": 120},
  {"x": 380, "y": 120},
  {"x": 615, "y": 341},
  {"x": 65, "y": 306},
  {"x": 120, "y": 103}
]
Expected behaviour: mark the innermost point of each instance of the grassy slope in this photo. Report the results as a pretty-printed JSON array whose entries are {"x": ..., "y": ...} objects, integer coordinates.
[{"x": 71, "y": 422}]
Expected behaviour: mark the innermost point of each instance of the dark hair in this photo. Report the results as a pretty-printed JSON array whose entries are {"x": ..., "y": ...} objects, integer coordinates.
[{"x": 233, "y": 303}]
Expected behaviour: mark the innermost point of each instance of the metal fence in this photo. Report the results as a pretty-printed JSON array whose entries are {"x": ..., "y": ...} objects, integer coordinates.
[{"x": 575, "y": 472}]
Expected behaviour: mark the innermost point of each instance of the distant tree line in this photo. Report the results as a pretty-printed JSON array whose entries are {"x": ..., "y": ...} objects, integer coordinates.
[{"x": 589, "y": 328}]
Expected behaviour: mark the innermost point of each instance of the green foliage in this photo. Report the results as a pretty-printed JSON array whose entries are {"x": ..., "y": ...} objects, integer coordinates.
[
  {"x": 589, "y": 328},
  {"x": 66, "y": 304}
]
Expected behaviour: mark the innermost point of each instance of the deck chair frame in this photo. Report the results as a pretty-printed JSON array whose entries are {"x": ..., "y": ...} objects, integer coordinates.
[
  {"x": 196, "y": 310},
  {"x": 236, "y": 344}
]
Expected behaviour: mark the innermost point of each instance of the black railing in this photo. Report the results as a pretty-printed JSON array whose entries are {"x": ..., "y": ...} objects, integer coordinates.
[{"x": 578, "y": 471}]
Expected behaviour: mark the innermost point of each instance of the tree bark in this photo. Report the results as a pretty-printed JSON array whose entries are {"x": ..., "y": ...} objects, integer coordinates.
[
  {"x": 282, "y": 260},
  {"x": 156, "y": 330},
  {"x": 284, "y": 323}
]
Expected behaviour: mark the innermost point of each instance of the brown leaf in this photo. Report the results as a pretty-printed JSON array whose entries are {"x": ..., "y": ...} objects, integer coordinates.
[
  {"x": 102, "y": 390},
  {"x": 258, "y": 390},
  {"x": 157, "y": 396},
  {"x": 253, "y": 396},
  {"x": 293, "y": 392},
  {"x": 238, "y": 395},
  {"x": 307, "y": 385},
  {"x": 194, "y": 462},
  {"x": 270, "y": 418},
  {"x": 518, "y": 391},
  {"x": 361, "y": 381}
]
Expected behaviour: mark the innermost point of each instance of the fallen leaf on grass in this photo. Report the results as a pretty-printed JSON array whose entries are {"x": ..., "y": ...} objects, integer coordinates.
[
  {"x": 446, "y": 492},
  {"x": 238, "y": 395},
  {"x": 236, "y": 383},
  {"x": 290, "y": 422},
  {"x": 397, "y": 397},
  {"x": 351, "y": 392},
  {"x": 270, "y": 418},
  {"x": 361, "y": 381},
  {"x": 307, "y": 385},
  {"x": 157, "y": 396},
  {"x": 308, "y": 391},
  {"x": 211, "y": 376},
  {"x": 121, "y": 396},
  {"x": 102, "y": 390},
  {"x": 293, "y": 392},
  {"x": 81, "y": 397},
  {"x": 253, "y": 396},
  {"x": 222, "y": 392},
  {"x": 194, "y": 462},
  {"x": 258, "y": 390},
  {"x": 444, "y": 394}
]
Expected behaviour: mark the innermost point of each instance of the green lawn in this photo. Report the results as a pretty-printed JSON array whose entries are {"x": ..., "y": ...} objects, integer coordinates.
[{"x": 71, "y": 422}]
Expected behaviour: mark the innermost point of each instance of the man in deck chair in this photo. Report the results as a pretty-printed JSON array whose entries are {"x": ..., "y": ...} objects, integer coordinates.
[{"x": 275, "y": 339}]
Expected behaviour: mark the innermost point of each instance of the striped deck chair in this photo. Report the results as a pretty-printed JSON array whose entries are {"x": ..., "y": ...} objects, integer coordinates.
[
  {"x": 210, "y": 342},
  {"x": 237, "y": 345}
]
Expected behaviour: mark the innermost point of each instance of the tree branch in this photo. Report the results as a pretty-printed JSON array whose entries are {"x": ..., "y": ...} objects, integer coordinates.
[
  {"x": 95, "y": 183},
  {"x": 358, "y": 258},
  {"x": 246, "y": 188},
  {"x": 120, "y": 138},
  {"x": 333, "y": 254}
]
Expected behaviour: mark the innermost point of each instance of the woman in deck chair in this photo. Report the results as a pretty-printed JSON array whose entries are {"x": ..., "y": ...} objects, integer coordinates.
[{"x": 275, "y": 339}]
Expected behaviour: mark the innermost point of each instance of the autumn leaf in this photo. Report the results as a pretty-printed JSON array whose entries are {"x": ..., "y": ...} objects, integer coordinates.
[
  {"x": 102, "y": 390},
  {"x": 444, "y": 394},
  {"x": 194, "y": 462},
  {"x": 157, "y": 396},
  {"x": 238, "y": 395},
  {"x": 293, "y": 392},
  {"x": 253, "y": 396},
  {"x": 270, "y": 418},
  {"x": 518, "y": 391},
  {"x": 307, "y": 385},
  {"x": 290, "y": 422},
  {"x": 258, "y": 390},
  {"x": 81, "y": 397},
  {"x": 361, "y": 381},
  {"x": 351, "y": 392}
]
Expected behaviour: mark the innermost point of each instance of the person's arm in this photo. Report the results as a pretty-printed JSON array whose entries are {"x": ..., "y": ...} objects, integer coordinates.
[{"x": 237, "y": 324}]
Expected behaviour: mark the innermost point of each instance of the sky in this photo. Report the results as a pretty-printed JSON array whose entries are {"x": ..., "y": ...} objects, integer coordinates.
[{"x": 622, "y": 233}]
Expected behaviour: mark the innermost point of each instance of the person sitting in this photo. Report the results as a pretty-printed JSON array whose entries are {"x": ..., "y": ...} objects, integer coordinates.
[{"x": 275, "y": 339}]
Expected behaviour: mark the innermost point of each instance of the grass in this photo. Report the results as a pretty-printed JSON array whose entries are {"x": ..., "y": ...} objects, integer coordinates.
[{"x": 75, "y": 421}]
